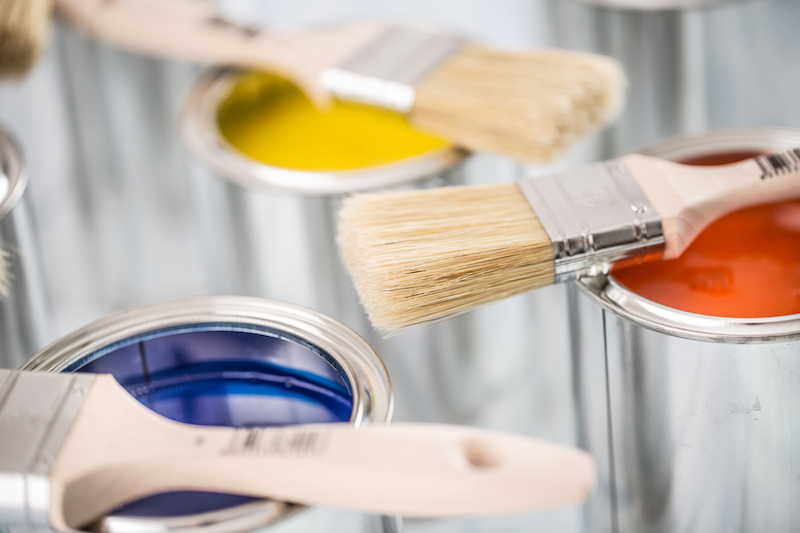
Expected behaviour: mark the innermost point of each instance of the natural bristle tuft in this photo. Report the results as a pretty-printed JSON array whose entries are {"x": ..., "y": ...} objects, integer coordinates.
[
  {"x": 23, "y": 34},
  {"x": 531, "y": 105},
  {"x": 420, "y": 256}
]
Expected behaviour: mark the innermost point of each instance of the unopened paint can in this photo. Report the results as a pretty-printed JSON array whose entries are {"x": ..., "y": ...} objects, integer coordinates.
[
  {"x": 24, "y": 308},
  {"x": 692, "y": 417},
  {"x": 232, "y": 361}
]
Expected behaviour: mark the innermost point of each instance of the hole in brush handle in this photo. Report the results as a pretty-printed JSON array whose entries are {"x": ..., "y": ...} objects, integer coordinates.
[{"x": 482, "y": 453}]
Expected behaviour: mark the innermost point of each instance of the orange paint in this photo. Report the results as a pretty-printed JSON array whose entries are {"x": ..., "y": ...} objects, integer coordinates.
[{"x": 746, "y": 264}]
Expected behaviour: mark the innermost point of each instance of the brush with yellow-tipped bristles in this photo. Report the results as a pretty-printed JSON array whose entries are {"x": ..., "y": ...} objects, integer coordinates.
[
  {"x": 24, "y": 28},
  {"x": 421, "y": 256},
  {"x": 529, "y": 104}
]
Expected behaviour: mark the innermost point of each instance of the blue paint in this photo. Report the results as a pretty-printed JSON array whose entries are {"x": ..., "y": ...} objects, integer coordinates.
[{"x": 221, "y": 377}]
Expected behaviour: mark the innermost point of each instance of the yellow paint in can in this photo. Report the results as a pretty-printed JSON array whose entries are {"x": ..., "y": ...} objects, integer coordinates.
[{"x": 270, "y": 120}]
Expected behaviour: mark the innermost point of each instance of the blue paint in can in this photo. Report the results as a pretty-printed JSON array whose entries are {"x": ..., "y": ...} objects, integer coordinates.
[{"x": 223, "y": 375}]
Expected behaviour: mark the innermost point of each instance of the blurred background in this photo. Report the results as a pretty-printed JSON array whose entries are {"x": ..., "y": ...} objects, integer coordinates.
[{"x": 114, "y": 194}]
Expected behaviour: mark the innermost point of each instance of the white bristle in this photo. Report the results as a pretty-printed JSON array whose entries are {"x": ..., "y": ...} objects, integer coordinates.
[
  {"x": 531, "y": 105},
  {"x": 420, "y": 256}
]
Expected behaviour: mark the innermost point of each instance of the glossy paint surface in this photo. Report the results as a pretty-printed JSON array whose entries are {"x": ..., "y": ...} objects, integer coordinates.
[{"x": 745, "y": 265}]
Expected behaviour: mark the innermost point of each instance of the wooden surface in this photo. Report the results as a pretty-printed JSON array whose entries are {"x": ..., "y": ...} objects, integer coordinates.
[
  {"x": 118, "y": 451},
  {"x": 689, "y": 198}
]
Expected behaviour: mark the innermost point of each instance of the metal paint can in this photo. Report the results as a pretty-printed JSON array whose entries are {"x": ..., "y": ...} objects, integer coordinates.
[
  {"x": 688, "y": 68},
  {"x": 691, "y": 417},
  {"x": 269, "y": 232},
  {"x": 24, "y": 307},
  {"x": 232, "y": 361}
]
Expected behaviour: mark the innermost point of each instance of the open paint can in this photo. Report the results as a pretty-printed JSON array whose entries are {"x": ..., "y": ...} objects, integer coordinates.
[
  {"x": 24, "y": 309},
  {"x": 270, "y": 174},
  {"x": 687, "y": 370},
  {"x": 273, "y": 171},
  {"x": 231, "y": 361}
]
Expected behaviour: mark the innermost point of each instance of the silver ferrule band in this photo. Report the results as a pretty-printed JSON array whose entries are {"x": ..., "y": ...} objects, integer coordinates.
[
  {"x": 385, "y": 71},
  {"x": 37, "y": 410},
  {"x": 594, "y": 215}
]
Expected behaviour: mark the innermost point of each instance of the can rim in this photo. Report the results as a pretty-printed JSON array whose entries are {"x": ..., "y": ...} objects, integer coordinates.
[
  {"x": 612, "y": 295},
  {"x": 12, "y": 165},
  {"x": 367, "y": 376},
  {"x": 201, "y": 135}
]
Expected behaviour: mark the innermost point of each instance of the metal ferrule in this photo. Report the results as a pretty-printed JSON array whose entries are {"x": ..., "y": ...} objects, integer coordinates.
[
  {"x": 385, "y": 72},
  {"x": 36, "y": 411},
  {"x": 594, "y": 215}
]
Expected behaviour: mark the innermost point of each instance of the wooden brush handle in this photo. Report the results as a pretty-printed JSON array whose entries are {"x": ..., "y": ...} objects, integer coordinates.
[
  {"x": 118, "y": 451},
  {"x": 189, "y": 29},
  {"x": 689, "y": 198}
]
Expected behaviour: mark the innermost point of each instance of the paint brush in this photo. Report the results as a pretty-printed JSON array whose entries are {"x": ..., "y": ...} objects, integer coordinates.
[
  {"x": 24, "y": 29},
  {"x": 529, "y": 104},
  {"x": 75, "y": 446},
  {"x": 421, "y": 256}
]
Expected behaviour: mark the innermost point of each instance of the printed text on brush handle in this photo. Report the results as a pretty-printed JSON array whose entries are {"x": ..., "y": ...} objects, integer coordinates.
[
  {"x": 282, "y": 443},
  {"x": 778, "y": 163}
]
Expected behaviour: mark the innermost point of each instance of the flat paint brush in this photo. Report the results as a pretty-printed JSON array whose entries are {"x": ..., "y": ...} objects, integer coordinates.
[
  {"x": 529, "y": 104},
  {"x": 75, "y": 446},
  {"x": 24, "y": 29},
  {"x": 421, "y": 256}
]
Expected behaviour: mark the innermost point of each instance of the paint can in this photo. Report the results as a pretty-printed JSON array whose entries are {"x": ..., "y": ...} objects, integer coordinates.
[
  {"x": 232, "y": 361},
  {"x": 688, "y": 68},
  {"x": 270, "y": 231},
  {"x": 24, "y": 307},
  {"x": 691, "y": 417}
]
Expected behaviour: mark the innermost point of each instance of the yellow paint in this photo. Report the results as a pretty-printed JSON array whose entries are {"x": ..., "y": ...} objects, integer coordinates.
[{"x": 271, "y": 120}]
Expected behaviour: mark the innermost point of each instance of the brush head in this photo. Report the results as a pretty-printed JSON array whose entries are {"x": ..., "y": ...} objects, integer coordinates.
[
  {"x": 421, "y": 256},
  {"x": 530, "y": 105},
  {"x": 24, "y": 30}
]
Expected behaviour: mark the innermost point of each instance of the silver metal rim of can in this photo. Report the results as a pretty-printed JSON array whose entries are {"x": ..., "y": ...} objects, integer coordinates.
[
  {"x": 363, "y": 369},
  {"x": 654, "y": 5},
  {"x": 618, "y": 299},
  {"x": 200, "y": 132},
  {"x": 12, "y": 166}
]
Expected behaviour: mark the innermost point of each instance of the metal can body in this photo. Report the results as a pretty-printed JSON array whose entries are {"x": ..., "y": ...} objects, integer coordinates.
[
  {"x": 688, "y": 67},
  {"x": 24, "y": 308},
  {"x": 691, "y": 417},
  {"x": 231, "y": 361}
]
